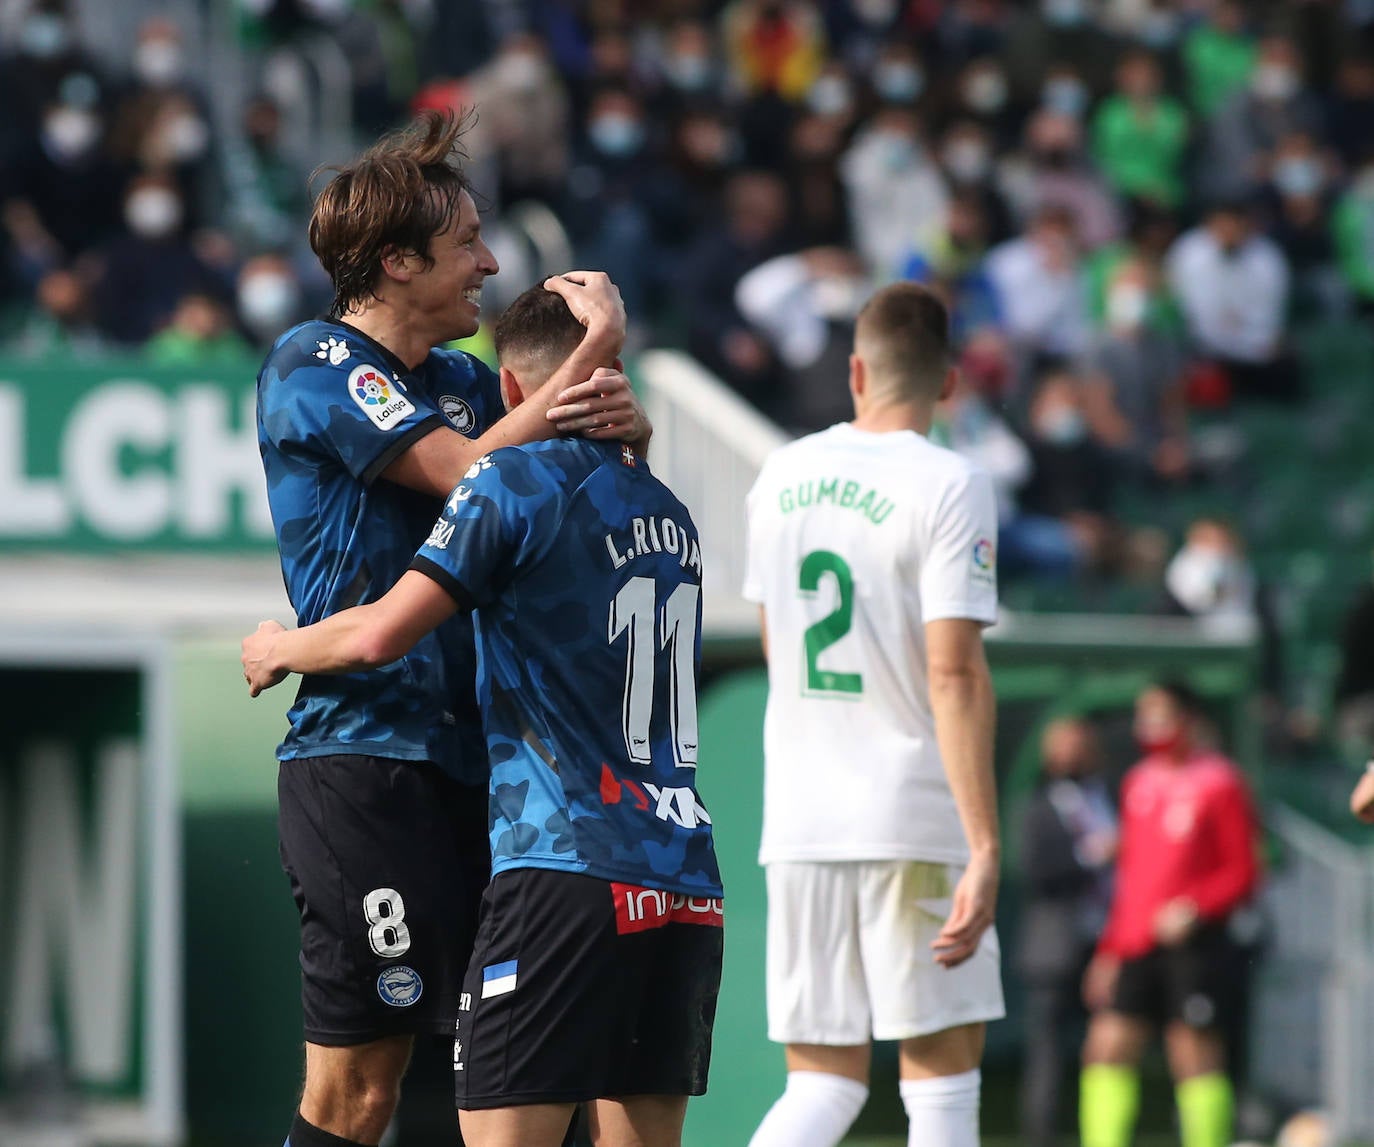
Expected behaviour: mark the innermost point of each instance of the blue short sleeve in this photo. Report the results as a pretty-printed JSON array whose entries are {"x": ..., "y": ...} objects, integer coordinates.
[
  {"x": 358, "y": 411},
  {"x": 500, "y": 518}
]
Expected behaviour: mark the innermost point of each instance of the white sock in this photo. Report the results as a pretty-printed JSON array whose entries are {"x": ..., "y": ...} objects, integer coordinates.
[
  {"x": 815, "y": 1110},
  {"x": 942, "y": 1112}
]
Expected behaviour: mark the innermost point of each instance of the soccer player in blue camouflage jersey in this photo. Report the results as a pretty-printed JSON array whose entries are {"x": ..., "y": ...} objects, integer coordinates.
[
  {"x": 364, "y": 427},
  {"x": 598, "y": 954}
]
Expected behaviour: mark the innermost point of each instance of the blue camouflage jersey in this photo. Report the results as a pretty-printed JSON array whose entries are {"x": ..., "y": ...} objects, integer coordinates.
[
  {"x": 585, "y": 572},
  {"x": 334, "y": 410}
]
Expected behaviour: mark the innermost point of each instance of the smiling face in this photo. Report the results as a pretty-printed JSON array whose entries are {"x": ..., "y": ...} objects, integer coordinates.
[{"x": 446, "y": 294}]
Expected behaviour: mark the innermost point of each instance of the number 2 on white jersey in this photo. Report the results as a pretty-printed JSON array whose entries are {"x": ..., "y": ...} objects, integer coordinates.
[
  {"x": 632, "y": 612},
  {"x": 834, "y": 625}
]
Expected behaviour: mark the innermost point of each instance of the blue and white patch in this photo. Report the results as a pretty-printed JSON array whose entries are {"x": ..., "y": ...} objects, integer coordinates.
[
  {"x": 458, "y": 412},
  {"x": 400, "y": 986},
  {"x": 498, "y": 979}
]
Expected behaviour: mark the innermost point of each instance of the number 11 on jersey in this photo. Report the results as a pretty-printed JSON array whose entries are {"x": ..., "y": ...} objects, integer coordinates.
[{"x": 632, "y": 613}]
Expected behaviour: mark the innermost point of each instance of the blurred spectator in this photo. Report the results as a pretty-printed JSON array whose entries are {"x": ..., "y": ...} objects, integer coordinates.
[
  {"x": 1352, "y": 228},
  {"x": 1299, "y": 191},
  {"x": 266, "y": 193},
  {"x": 1232, "y": 285},
  {"x": 1040, "y": 287},
  {"x": 952, "y": 257},
  {"x": 774, "y": 46},
  {"x": 1068, "y": 843},
  {"x": 48, "y": 57},
  {"x": 63, "y": 189},
  {"x": 806, "y": 304},
  {"x": 1211, "y": 578},
  {"x": 1352, "y": 109},
  {"x": 525, "y": 116},
  {"x": 755, "y": 215},
  {"x": 1064, "y": 91},
  {"x": 1073, "y": 476},
  {"x": 819, "y": 207},
  {"x": 59, "y": 326},
  {"x": 896, "y": 190},
  {"x": 1052, "y": 171},
  {"x": 200, "y": 333},
  {"x": 690, "y": 65},
  {"x": 143, "y": 275},
  {"x": 1245, "y": 130},
  {"x": 269, "y": 297},
  {"x": 1167, "y": 959},
  {"x": 983, "y": 94},
  {"x": 1029, "y": 545},
  {"x": 1218, "y": 57},
  {"x": 1134, "y": 373},
  {"x": 1139, "y": 134}
]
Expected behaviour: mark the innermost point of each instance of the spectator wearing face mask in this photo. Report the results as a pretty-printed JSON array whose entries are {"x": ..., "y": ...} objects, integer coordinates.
[
  {"x": 1242, "y": 135},
  {"x": 63, "y": 190},
  {"x": 1232, "y": 286},
  {"x": 952, "y": 257},
  {"x": 1073, "y": 476},
  {"x": 897, "y": 77},
  {"x": 525, "y": 118},
  {"x": 1299, "y": 198},
  {"x": 269, "y": 297},
  {"x": 46, "y": 54},
  {"x": 970, "y": 166},
  {"x": 617, "y": 200},
  {"x": 820, "y": 212},
  {"x": 1140, "y": 134},
  {"x": 1134, "y": 379},
  {"x": 982, "y": 94},
  {"x": 1065, "y": 92},
  {"x": 1211, "y": 578},
  {"x": 895, "y": 188},
  {"x": 142, "y": 275}
]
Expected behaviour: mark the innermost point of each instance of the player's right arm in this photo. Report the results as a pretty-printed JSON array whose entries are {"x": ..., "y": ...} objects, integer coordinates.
[
  {"x": 602, "y": 396},
  {"x": 351, "y": 640}
]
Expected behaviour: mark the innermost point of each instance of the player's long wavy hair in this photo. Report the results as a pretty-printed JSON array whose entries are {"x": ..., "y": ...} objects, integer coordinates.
[{"x": 397, "y": 195}]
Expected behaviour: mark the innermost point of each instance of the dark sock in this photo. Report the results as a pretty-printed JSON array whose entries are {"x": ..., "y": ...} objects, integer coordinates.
[{"x": 305, "y": 1134}]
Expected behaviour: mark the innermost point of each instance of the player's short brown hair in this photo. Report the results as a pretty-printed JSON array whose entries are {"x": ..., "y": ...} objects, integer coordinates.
[
  {"x": 538, "y": 330},
  {"x": 902, "y": 334},
  {"x": 397, "y": 195}
]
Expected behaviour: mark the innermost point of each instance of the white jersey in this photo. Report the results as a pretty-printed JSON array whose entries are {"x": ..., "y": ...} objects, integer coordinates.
[{"x": 856, "y": 541}]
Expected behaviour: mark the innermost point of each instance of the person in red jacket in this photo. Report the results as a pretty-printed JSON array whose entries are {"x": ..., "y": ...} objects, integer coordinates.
[{"x": 1189, "y": 860}]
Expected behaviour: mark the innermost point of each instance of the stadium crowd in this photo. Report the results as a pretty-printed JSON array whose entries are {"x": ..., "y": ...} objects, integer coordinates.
[{"x": 1124, "y": 202}]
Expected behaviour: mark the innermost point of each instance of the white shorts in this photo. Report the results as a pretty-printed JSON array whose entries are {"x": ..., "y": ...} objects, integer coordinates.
[{"x": 849, "y": 955}]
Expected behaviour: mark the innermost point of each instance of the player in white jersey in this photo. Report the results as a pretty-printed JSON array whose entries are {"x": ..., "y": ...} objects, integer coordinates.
[{"x": 872, "y": 555}]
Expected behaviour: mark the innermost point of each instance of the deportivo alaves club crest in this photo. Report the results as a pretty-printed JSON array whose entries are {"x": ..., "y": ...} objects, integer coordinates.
[{"x": 458, "y": 412}]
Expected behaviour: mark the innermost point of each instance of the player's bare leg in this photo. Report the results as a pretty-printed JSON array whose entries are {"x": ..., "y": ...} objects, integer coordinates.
[
  {"x": 535, "y": 1125},
  {"x": 941, "y": 1085},
  {"x": 352, "y": 1092},
  {"x": 638, "y": 1121},
  {"x": 827, "y": 1087}
]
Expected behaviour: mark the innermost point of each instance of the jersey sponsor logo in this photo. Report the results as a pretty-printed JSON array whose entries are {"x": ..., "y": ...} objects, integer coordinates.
[
  {"x": 458, "y": 412},
  {"x": 373, "y": 393},
  {"x": 499, "y": 979},
  {"x": 400, "y": 986},
  {"x": 465, "y": 1002},
  {"x": 679, "y": 806},
  {"x": 458, "y": 1064},
  {"x": 334, "y": 351},
  {"x": 984, "y": 560},
  {"x": 440, "y": 535},
  {"x": 639, "y": 909}
]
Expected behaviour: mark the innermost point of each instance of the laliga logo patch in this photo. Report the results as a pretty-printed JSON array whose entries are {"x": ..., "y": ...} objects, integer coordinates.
[
  {"x": 400, "y": 986},
  {"x": 458, "y": 412},
  {"x": 372, "y": 391}
]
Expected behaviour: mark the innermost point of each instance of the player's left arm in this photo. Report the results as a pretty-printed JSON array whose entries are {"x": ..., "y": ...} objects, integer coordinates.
[
  {"x": 351, "y": 640},
  {"x": 1235, "y": 831},
  {"x": 965, "y": 710}
]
